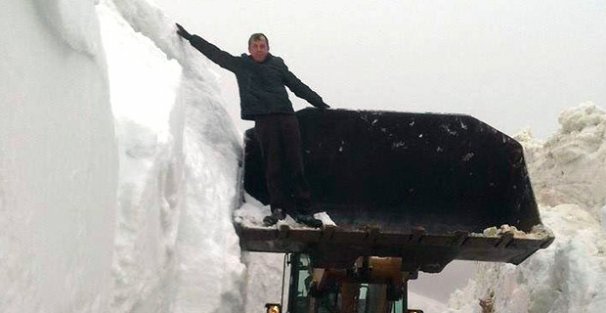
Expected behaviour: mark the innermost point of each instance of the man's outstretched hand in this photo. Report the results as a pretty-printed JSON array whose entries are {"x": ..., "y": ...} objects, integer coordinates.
[{"x": 182, "y": 32}]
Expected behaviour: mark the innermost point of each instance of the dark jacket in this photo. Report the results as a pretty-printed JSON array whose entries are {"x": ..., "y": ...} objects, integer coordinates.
[{"x": 261, "y": 85}]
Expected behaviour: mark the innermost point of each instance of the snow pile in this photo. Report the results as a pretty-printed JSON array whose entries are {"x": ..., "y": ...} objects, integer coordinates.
[
  {"x": 568, "y": 176},
  {"x": 251, "y": 213},
  {"x": 569, "y": 167},
  {"x": 58, "y": 164},
  {"x": 504, "y": 229},
  {"x": 176, "y": 249}
]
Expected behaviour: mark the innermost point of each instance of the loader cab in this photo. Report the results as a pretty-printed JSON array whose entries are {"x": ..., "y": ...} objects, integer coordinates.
[{"x": 343, "y": 293}]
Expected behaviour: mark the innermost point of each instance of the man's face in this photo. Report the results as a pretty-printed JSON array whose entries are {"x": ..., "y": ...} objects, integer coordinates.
[{"x": 258, "y": 50}]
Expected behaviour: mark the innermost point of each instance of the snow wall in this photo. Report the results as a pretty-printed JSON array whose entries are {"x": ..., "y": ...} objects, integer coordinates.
[
  {"x": 122, "y": 213},
  {"x": 176, "y": 249},
  {"x": 568, "y": 172},
  {"x": 58, "y": 159}
]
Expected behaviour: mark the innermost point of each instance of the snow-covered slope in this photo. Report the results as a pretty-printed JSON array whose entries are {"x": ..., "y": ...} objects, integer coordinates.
[
  {"x": 568, "y": 172},
  {"x": 58, "y": 161}
]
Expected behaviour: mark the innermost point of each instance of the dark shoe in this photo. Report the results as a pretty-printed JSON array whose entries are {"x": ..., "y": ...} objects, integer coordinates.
[
  {"x": 308, "y": 220},
  {"x": 275, "y": 216}
]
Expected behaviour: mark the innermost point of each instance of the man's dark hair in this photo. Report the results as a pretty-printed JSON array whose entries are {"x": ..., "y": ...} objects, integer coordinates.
[{"x": 258, "y": 36}]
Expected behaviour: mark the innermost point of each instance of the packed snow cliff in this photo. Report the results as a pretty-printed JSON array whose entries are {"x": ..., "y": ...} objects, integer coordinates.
[
  {"x": 176, "y": 249},
  {"x": 81, "y": 233},
  {"x": 568, "y": 172}
]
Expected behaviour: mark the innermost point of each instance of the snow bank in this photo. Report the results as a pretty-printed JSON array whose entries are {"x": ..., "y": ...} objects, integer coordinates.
[
  {"x": 568, "y": 174},
  {"x": 570, "y": 167},
  {"x": 58, "y": 165},
  {"x": 176, "y": 249}
]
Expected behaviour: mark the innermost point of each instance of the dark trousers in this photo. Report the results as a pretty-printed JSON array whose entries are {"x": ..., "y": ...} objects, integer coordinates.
[{"x": 280, "y": 141}]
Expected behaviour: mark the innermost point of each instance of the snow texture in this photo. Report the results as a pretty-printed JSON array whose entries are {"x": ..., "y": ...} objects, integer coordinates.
[
  {"x": 176, "y": 248},
  {"x": 538, "y": 232},
  {"x": 263, "y": 282},
  {"x": 58, "y": 160},
  {"x": 569, "y": 179},
  {"x": 569, "y": 166}
]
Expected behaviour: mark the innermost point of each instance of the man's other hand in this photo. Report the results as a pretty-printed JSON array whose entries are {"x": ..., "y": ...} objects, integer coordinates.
[{"x": 182, "y": 32}]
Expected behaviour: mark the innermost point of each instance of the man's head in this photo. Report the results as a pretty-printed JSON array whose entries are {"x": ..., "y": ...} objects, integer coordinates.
[{"x": 258, "y": 47}]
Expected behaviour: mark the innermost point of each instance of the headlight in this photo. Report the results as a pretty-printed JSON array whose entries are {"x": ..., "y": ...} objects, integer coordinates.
[{"x": 273, "y": 308}]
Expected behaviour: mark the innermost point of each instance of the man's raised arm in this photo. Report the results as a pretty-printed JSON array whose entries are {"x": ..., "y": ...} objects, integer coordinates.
[{"x": 222, "y": 58}]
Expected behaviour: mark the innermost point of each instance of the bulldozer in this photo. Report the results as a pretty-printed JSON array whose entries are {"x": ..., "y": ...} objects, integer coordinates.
[{"x": 407, "y": 192}]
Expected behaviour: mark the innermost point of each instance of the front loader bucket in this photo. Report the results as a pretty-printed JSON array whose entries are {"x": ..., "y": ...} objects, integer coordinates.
[{"x": 445, "y": 174}]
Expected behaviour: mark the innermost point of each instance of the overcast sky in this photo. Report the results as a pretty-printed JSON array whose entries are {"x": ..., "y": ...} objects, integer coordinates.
[{"x": 513, "y": 64}]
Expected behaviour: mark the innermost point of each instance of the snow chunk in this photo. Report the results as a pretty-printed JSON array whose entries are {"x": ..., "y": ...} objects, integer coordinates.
[
  {"x": 585, "y": 115},
  {"x": 325, "y": 218},
  {"x": 538, "y": 232},
  {"x": 495, "y": 232},
  {"x": 250, "y": 215}
]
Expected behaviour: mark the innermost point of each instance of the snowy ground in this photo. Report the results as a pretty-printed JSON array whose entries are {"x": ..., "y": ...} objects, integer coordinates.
[{"x": 132, "y": 213}]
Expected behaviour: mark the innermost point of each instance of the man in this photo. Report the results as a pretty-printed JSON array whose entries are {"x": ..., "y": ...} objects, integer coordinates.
[{"x": 262, "y": 78}]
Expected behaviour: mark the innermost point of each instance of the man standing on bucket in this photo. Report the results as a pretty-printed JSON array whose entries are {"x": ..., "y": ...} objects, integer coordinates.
[{"x": 262, "y": 78}]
